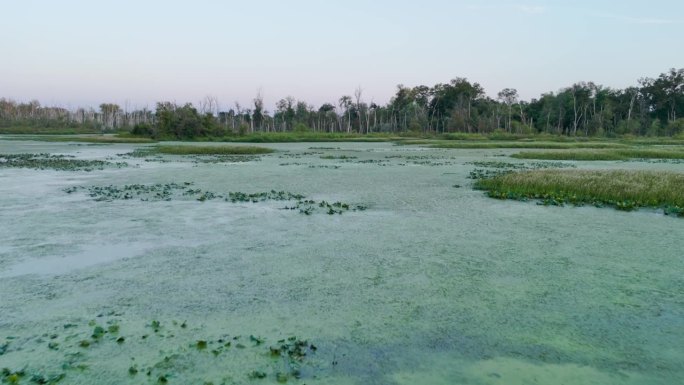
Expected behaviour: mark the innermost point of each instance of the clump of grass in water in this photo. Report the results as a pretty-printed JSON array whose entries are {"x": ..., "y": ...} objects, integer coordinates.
[
  {"x": 622, "y": 189},
  {"x": 611, "y": 154},
  {"x": 211, "y": 150}
]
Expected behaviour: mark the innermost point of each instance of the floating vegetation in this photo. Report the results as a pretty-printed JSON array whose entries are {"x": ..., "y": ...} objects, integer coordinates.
[
  {"x": 151, "y": 154},
  {"x": 185, "y": 191},
  {"x": 522, "y": 166},
  {"x": 522, "y": 144},
  {"x": 154, "y": 192},
  {"x": 502, "y": 168},
  {"x": 430, "y": 163},
  {"x": 298, "y": 155},
  {"x": 44, "y": 161},
  {"x": 670, "y": 161},
  {"x": 292, "y": 164},
  {"x": 609, "y": 154},
  {"x": 292, "y": 351},
  {"x": 225, "y": 158},
  {"x": 339, "y": 157},
  {"x": 372, "y": 161},
  {"x": 480, "y": 173},
  {"x": 333, "y": 167},
  {"x": 419, "y": 160},
  {"x": 308, "y": 207},
  {"x": 621, "y": 189},
  {"x": 145, "y": 153},
  {"x": 423, "y": 160},
  {"x": 281, "y": 360},
  {"x": 211, "y": 150},
  {"x": 263, "y": 196}
]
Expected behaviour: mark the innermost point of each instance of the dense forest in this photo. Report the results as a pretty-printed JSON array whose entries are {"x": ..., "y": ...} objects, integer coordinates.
[{"x": 655, "y": 107}]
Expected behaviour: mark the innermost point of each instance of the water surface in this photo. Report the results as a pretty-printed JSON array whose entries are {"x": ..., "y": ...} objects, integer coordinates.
[{"x": 433, "y": 284}]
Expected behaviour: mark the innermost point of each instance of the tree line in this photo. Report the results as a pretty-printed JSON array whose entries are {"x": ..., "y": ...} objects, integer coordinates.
[{"x": 654, "y": 107}]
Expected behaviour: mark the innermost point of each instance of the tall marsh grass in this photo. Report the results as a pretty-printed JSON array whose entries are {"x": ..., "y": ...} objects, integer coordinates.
[{"x": 623, "y": 189}]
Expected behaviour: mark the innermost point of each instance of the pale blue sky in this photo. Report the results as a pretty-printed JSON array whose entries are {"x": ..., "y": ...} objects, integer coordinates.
[{"x": 75, "y": 53}]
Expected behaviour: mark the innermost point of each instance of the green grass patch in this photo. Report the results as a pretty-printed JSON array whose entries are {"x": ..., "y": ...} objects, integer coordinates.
[
  {"x": 605, "y": 154},
  {"x": 211, "y": 150},
  {"x": 622, "y": 189}
]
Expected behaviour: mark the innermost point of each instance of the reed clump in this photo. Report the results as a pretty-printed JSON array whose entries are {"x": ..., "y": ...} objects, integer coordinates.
[{"x": 621, "y": 189}]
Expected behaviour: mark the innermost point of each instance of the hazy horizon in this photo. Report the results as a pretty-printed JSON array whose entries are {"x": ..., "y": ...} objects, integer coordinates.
[{"x": 78, "y": 53}]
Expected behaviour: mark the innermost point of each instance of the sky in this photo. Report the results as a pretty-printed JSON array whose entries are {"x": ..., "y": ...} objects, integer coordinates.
[{"x": 74, "y": 53}]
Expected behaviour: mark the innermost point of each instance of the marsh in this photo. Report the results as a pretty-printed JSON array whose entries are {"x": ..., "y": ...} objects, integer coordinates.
[{"x": 428, "y": 284}]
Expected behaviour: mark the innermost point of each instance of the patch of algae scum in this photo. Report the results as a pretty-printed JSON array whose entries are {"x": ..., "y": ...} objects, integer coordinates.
[{"x": 431, "y": 284}]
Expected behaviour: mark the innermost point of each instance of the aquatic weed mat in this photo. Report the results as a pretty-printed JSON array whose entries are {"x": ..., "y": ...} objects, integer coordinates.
[
  {"x": 209, "y": 150},
  {"x": 185, "y": 191},
  {"x": 616, "y": 154},
  {"x": 109, "y": 349},
  {"x": 45, "y": 161},
  {"x": 490, "y": 169},
  {"x": 150, "y": 154}
]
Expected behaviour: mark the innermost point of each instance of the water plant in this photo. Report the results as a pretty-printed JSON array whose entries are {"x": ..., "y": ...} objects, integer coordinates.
[
  {"x": 185, "y": 191},
  {"x": 523, "y": 144},
  {"x": 211, "y": 150},
  {"x": 340, "y": 157},
  {"x": 606, "y": 154},
  {"x": 496, "y": 168},
  {"x": 196, "y": 154},
  {"x": 167, "y": 365},
  {"x": 621, "y": 189},
  {"x": 45, "y": 161},
  {"x": 522, "y": 166}
]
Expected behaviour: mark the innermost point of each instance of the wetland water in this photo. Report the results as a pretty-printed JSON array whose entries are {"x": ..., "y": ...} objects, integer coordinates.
[{"x": 431, "y": 284}]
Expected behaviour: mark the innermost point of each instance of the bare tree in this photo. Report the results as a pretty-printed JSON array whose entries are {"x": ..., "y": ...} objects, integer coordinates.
[
  {"x": 209, "y": 105},
  {"x": 345, "y": 102},
  {"x": 358, "y": 92}
]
